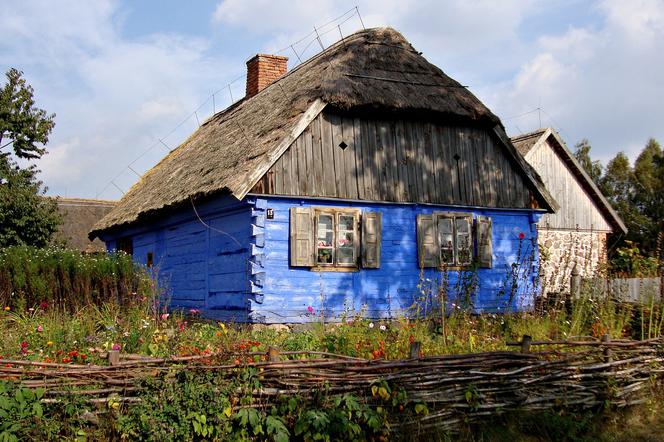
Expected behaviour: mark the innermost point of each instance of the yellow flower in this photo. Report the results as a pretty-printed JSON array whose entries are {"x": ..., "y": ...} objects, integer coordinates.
[
  {"x": 7, "y": 308},
  {"x": 49, "y": 343}
]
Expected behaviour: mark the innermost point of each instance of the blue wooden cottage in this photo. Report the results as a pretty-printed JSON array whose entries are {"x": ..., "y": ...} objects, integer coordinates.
[{"x": 365, "y": 180}]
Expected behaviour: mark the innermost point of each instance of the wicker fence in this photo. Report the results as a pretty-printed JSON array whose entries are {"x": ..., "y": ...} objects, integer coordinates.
[{"x": 455, "y": 388}]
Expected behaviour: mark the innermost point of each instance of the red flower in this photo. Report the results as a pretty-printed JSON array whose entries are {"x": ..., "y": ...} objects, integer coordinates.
[
  {"x": 43, "y": 305},
  {"x": 522, "y": 235},
  {"x": 24, "y": 344}
]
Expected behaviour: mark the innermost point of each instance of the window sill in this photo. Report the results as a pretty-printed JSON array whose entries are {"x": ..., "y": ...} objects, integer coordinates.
[{"x": 335, "y": 269}]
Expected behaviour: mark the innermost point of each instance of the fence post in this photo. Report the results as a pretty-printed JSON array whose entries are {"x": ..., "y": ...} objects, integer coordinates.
[
  {"x": 415, "y": 348},
  {"x": 607, "y": 350},
  {"x": 273, "y": 354},
  {"x": 525, "y": 343},
  {"x": 113, "y": 357},
  {"x": 575, "y": 282}
]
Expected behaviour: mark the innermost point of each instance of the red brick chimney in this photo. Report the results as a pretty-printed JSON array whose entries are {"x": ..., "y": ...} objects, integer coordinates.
[{"x": 263, "y": 70}]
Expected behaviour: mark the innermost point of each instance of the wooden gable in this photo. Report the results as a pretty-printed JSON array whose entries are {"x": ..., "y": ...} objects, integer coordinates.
[
  {"x": 398, "y": 160},
  {"x": 578, "y": 209}
]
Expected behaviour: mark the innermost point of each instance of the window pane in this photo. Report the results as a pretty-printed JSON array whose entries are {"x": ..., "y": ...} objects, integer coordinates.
[
  {"x": 346, "y": 255},
  {"x": 325, "y": 232},
  {"x": 346, "y": 222},
  {"x": 325, "y": 256},
  {"x": 345, "y": 239},
  {"x": 445, "y": 225},
  {"x": 464, "y": 250},
  {"x": 325, "y": 239},
  {"x": 462, "y": 225}
]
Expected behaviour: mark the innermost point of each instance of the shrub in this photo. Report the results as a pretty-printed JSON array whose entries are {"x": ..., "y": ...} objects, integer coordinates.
[{"x": 67, "y": 279}]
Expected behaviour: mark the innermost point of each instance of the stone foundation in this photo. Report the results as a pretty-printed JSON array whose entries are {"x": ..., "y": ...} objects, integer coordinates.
[{"x": 561, "y": 250}]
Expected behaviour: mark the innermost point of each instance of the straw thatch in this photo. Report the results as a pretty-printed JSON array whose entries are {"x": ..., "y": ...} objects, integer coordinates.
[
  {"x": 79, "y": 215},
  {"x": 375, "y": 69}
]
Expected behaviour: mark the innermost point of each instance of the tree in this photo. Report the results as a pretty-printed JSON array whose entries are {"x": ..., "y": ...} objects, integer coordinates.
[
  {"x": 22, "y": 125},
  {"x": 582, "y": 154},
  {"x": 26, "y": 216}
]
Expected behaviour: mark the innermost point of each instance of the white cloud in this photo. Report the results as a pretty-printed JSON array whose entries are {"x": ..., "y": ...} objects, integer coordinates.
[{"x": 113, "y": 97}]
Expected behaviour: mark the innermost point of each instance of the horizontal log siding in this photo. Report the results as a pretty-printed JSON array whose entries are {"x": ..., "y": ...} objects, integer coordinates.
[
  {"x": 398, "y": 161},
  {"x": 398, "y": 286}
]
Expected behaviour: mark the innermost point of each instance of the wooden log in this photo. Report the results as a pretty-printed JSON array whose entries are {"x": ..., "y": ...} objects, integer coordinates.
[
  {"x": 415, "y": 349},
  {"x": 113, "y": 357},
  {"x": 525, "y": 343},
  {"x": 273, "y": 354}
]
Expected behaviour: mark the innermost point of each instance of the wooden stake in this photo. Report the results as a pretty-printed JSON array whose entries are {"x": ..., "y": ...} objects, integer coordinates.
[
  {"x": 525, "y": 343},
  {"x": 273, "y": 354},
  {"x": 415, "y": 349},
  {"x": 113, "y": 357}
]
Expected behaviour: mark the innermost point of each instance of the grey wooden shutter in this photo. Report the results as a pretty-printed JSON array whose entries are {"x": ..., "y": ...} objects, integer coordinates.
[
  {"x": 428, "y": 253},
  {"x": 301, "y": 237},
  {"x": 371, "y": 237},
  {"x": 485, "y": 241}
]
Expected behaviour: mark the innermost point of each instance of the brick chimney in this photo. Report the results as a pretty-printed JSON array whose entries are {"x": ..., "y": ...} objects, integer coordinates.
[{"x": 263, "y": 70}]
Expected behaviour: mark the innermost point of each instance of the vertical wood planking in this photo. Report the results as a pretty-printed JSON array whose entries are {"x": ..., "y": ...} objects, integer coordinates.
[
  {"x": 338, "y": 155},
  {"x": 408, "y": 161},
  {"x": 368, "y": 162},
  {"x": 359, "y": 158},
  {"x": 327, "y": 146},
  {"x": 317, "y": 148},
  {"x": 350, "y": 155},
  {"x": 402, "y": 168}
]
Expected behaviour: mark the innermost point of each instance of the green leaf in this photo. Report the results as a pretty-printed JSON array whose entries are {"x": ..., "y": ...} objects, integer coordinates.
[{"x": 421, "y": 409}]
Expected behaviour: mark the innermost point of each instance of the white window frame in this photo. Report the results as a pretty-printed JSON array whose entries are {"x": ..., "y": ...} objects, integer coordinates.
[
  {"x": 336, "y": 215},
  {"x": 456, "y": 234}
]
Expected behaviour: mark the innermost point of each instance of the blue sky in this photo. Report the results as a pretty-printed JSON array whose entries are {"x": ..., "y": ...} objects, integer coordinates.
[{"x": 122, "y": 75}]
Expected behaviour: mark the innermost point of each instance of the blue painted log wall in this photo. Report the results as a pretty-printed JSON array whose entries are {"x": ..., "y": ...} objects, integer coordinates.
[
  {"x": 399, "y": 286},
  {"x": 238, "y": 267},
  {"x": 207, "y": 268}
]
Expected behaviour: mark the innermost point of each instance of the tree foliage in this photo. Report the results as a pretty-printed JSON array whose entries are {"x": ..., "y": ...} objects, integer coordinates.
[
  {"x": 26, "y": 216},
  {"x": 637, "y": 194},
  {"x": 582, "y": 154},
  {"x": 22, "y": 125}
]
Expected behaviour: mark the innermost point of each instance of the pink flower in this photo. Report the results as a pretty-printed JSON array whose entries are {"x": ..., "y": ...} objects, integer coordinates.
[
  {"x": 522, "y": 235},
  {"x": 310, "y": 309},
  {"x": 116, "y": 347},
  {"x": 40, "y": 328},
  {"x": 164, "y": 316},
  {"x": 194, "y": 311}
]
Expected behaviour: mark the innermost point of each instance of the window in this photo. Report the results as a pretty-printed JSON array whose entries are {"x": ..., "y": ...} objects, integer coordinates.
[
  {"x": 125, "y": 244},
  {"x": 455, "y": 239},
  {"x": 333, "y": 238},
  {"x": 449, "y": 239},
  {"x": 336, "y": 238}
]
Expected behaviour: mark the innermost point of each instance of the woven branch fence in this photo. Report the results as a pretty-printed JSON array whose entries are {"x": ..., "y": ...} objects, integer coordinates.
[{"x": 455, "y": 388}]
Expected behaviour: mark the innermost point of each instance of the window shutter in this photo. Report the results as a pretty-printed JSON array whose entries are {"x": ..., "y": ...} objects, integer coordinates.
[
  {"x": 301, "y": 237},
  {"x": 428, "y": 252},
  {"x": 485, "y": 241},
  {"x": 371, "y": 239}
]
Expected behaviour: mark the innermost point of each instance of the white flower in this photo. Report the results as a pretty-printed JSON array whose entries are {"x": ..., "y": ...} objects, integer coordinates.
[
  {"x": 382, "y": 327},
  {"x": 371, "y": 325}
]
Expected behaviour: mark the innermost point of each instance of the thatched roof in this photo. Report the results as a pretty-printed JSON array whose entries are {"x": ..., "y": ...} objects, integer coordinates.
[
  {"x": 78, "y": 217},
  {"x": 527, "y": 142},
  {"x": 375, "y": 69}
]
